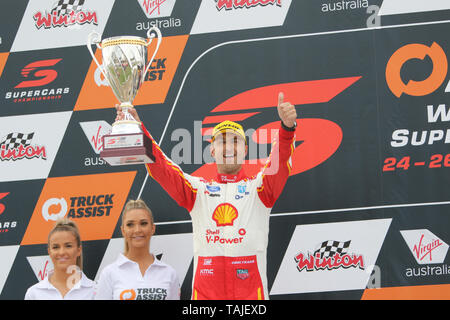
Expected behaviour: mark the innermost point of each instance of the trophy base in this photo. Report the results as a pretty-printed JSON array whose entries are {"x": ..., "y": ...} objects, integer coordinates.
[{"x": 126, "y": 149}]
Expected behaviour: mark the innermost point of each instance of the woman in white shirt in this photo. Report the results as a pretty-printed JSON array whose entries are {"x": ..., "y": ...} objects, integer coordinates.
[
  {"x": 66, "y": 281},
  {"x": 137, "y": 274}
]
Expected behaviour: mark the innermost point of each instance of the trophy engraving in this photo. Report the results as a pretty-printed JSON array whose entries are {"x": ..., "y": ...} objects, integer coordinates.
[{"x": 124, "y": 67}]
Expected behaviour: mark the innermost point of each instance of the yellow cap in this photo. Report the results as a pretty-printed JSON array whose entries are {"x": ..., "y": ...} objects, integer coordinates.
[{"x": 228, "y": 125}]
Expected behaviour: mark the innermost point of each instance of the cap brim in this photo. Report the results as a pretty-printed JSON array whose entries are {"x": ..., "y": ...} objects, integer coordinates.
[{"x": 228, "y": 130}]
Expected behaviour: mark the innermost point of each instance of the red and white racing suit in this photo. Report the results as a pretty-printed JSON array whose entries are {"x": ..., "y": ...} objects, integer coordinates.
[{"x": 230, "y": 221}]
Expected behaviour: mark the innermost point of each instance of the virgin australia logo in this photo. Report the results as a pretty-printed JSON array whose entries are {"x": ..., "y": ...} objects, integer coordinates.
[
  {"x": 94, "y": 131},
  {"x": 157, "y": 8},
  {"x": 426, "y": 247}
]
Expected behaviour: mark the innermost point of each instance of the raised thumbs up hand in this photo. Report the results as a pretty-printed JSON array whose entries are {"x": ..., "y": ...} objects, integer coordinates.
[{"x": 286, "y": 111}]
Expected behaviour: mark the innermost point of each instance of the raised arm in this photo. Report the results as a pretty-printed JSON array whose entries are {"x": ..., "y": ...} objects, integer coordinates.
[
  {"x": 168, "y": 174},
  {"x": 277, "y": 169}
]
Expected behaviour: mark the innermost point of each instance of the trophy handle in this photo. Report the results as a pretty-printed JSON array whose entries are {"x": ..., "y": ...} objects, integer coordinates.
[
  {"x": 94, "y": 37},
  {"x": 151, "y": 36}
]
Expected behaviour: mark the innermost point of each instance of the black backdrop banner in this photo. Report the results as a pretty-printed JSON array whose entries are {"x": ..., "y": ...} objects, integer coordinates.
[{"x": 370, "y": 169}]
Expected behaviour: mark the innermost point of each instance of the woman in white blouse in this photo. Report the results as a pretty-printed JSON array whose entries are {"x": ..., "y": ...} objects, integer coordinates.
[
  {"x": 137, "y": 274},
  {"x": 66, "y": 281}
]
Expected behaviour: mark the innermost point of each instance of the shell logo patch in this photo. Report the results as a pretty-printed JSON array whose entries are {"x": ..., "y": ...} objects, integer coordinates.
[{"x": 225, "y": 214}]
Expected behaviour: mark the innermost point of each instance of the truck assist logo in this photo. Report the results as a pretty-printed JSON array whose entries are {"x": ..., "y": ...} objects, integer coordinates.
[{"x": 89, "y": 200}]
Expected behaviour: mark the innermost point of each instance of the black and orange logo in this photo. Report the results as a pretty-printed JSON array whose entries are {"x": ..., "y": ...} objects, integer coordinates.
[
  {"x": 127, "y": 295},
  {"x": 416, "y": 88},
  {"x": 90, "y": 200}
]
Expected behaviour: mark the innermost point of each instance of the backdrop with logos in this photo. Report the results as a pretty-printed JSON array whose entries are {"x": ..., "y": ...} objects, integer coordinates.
[{"x": 371, "y": 167}]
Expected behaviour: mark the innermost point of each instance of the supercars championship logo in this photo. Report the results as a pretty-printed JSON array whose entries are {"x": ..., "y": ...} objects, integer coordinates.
[
  {"x": 5, "y": 226},
  {"x": 36, "y": 76},
  {"x": 320, "y": 138}
]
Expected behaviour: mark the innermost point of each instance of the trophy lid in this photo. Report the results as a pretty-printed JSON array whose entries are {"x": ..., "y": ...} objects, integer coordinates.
[{"x": 134, "y": 40}]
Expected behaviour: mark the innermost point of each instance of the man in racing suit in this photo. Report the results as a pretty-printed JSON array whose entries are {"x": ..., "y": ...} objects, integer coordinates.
[{"x": 230, "y": 214}]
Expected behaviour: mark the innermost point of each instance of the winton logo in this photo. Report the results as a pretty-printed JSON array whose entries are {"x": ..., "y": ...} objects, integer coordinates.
[
  {"x": 225, "y": 214},
  {"x": 90, "y": 200},
  {"x": 65, "y": 13},
  {"x": 237, "y": 4},
  {"x": 228, "y": 15},
  {"x": 344, "y": 260},
  {"x": 330, "y": 255},
  {"x": 16, "y": 146}
]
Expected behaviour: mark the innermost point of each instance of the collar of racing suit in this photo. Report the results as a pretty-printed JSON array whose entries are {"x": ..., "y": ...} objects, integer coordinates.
[{"x": 225, "y": 178}]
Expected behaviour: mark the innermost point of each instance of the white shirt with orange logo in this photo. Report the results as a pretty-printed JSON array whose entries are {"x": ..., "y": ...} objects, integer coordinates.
[
  {"x": 123, "y": 280},
  {"x": 44, "y": 290}
]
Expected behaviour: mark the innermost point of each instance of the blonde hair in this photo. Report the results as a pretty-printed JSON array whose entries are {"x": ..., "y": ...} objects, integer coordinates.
[
  {"x": 65, "y": 224},
  {"x": 132, "y": 205}
]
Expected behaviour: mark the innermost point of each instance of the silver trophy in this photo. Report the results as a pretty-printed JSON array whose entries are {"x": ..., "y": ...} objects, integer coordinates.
[{"x": 124, "y": 67}]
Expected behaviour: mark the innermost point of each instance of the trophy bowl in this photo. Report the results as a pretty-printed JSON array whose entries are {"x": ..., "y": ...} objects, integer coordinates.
[{"x": 124, "y": 67}]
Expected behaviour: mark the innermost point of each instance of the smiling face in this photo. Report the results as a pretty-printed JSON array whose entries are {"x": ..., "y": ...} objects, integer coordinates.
[
  {"x": 63, "y": 250},
  {"x": 229, "y": 150},
  {"x": 137, "y": 228}
]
